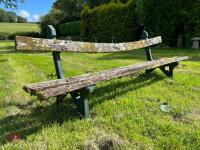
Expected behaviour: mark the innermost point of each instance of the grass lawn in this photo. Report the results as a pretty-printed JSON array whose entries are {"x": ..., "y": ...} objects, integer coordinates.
[
  {"x": 18, "y": 27},
  {"x": 125, "y": 112},
  {"x": 6, "y": 45}
]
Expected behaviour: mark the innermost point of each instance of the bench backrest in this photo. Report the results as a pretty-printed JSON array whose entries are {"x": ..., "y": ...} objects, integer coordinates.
[
  {"x": 56, "y": 46},
  {"x": 50, "y": 45},
  {"x": 38, "y": 44}
]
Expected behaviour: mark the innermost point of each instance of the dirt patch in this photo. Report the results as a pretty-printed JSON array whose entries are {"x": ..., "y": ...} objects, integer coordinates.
[
  {"x": 104, "y": 141},
  {"x": 187, "y": 118},
  {"x": 110, "y": 142},
  {"x": 194, "y": 115}
]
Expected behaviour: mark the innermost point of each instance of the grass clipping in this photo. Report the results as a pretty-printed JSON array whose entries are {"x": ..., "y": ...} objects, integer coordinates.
[{"x": 103, "y": 141}]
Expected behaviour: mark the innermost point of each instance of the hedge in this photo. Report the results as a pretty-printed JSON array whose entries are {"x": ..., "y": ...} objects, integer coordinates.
[
  {"x": 11, "y": 36},
  {"x": 69, "y": 28},
  {"x": 112, "y": 20}
]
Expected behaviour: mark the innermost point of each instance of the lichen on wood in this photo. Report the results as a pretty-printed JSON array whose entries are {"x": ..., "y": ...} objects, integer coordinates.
[{"x": 38, "y": 44}]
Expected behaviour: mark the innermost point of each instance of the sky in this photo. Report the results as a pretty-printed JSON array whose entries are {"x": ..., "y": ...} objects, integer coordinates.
[{"x": 32, "y": 9}]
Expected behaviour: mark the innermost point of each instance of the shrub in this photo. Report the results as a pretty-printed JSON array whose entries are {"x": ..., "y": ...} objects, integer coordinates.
[
  {"x": 70, "y": 28},
  {"x": 28, "y": 34},
  {"x": 11, "y": 36},
  {"x": 110, "y": 20},
  {"x": 3, "y": 36}
]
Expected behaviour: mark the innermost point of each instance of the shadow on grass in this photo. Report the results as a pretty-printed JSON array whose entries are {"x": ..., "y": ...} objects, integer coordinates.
[
  {"x": 8, "y": 52},
  {"x": 38, "y": 118},
  {"x": 43, "y": 116},
  {"x": 110, "y": 92},
  {"x": 6, "y": 48},
  {"x": 21, "y": 52}
]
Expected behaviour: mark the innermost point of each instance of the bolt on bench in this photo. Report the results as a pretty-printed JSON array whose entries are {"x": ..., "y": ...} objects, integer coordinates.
[{"x": 81, "y": 86}]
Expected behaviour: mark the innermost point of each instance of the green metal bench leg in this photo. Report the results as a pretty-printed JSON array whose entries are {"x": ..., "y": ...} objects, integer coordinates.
[
  {"x": 149, "y": 55},
  {"x": 170, "y": 72},
  {"x": 82, "y": 101},
  {"x": 51, "y": 34}
]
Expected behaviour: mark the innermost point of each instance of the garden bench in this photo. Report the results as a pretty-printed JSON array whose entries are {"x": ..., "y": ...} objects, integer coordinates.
[{"x": 81, "y": 86}]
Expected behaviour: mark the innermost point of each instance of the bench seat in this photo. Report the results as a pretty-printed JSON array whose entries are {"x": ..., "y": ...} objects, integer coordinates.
[{"x": 45, "y": 90}]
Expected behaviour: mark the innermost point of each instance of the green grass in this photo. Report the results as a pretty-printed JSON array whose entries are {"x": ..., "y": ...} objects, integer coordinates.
[
  {"x": 18, "y": 27},
  {"x": 6, "y": 45},
  {"x": 124, "y": 111}
]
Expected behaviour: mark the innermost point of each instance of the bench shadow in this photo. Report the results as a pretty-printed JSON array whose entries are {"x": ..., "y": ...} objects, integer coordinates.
[
  {"x": 32, "y": 122},
  {"x": 8, "y": 52},
  {"x": 20, "y": 52},
  {"x": 143, "y": 80}
]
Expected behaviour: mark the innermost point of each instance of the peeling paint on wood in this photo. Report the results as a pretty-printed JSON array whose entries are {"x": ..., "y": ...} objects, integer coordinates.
[
  {"x": 38, "y": 44},
  {"x": 54, "y": 88}
]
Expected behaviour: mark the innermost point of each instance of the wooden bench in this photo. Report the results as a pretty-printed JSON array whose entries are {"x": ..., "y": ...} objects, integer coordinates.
[{"x": 81, "y": 86}]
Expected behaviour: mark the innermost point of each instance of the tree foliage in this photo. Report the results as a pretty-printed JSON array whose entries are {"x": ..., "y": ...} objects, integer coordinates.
[
  {"x": 94, "y": 3},
  {"x": 21, "y": 19},
  {"x": 7, "y": 16},
  {"x": 71, "y": 9},
  {"x": 171, "y": 18},
  {"x": 54, "y": 17},
  {"x": 10, "y": 3}
]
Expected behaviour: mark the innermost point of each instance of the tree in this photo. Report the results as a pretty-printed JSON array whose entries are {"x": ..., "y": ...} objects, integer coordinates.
[
  {"x": 2, "y": 15},
  {"x": 54, "y": 17},
  {"x": 7, "y": 16},
  {"x": 10, "y": 3},
  {"x": 94, "y": 3},
  {"x": 171, "y": 18},
  {"x": 12, "y": 17},
  {"x": 71, "y": 9},
  {"x": 21, "y": 19}
]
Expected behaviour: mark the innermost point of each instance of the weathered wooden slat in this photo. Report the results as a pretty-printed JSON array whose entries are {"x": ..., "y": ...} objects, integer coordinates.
[
  {"x": 37, "y": 44},
  {"x": 48, "y": 89}
]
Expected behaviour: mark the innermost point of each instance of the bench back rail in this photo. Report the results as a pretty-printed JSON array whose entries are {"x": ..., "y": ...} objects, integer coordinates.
[{"x": 49, "y": 45}]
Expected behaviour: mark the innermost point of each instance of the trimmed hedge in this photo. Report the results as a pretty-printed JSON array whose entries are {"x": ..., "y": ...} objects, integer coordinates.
[
  {"x": 28, "y": 34},
  {"x": 11, "y": 36},
  {"x": 69, "y": 28},
  {"x": 3, "y": 36},
  {"x": 113, "y": 20}
]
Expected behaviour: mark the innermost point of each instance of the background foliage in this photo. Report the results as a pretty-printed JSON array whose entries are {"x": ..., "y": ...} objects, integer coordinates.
[
  {"x": 9, "y": 16},
  {"x": 171, "y": 19},
  {"x": 53, "y": 18},
  {"x": 70, "y": 28},
  {"x": 116, "y": 20},
  {"x": 10, "y": 3},
  {"x": 71, "y": 9},
  {"x": 94, "y": 3}
]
